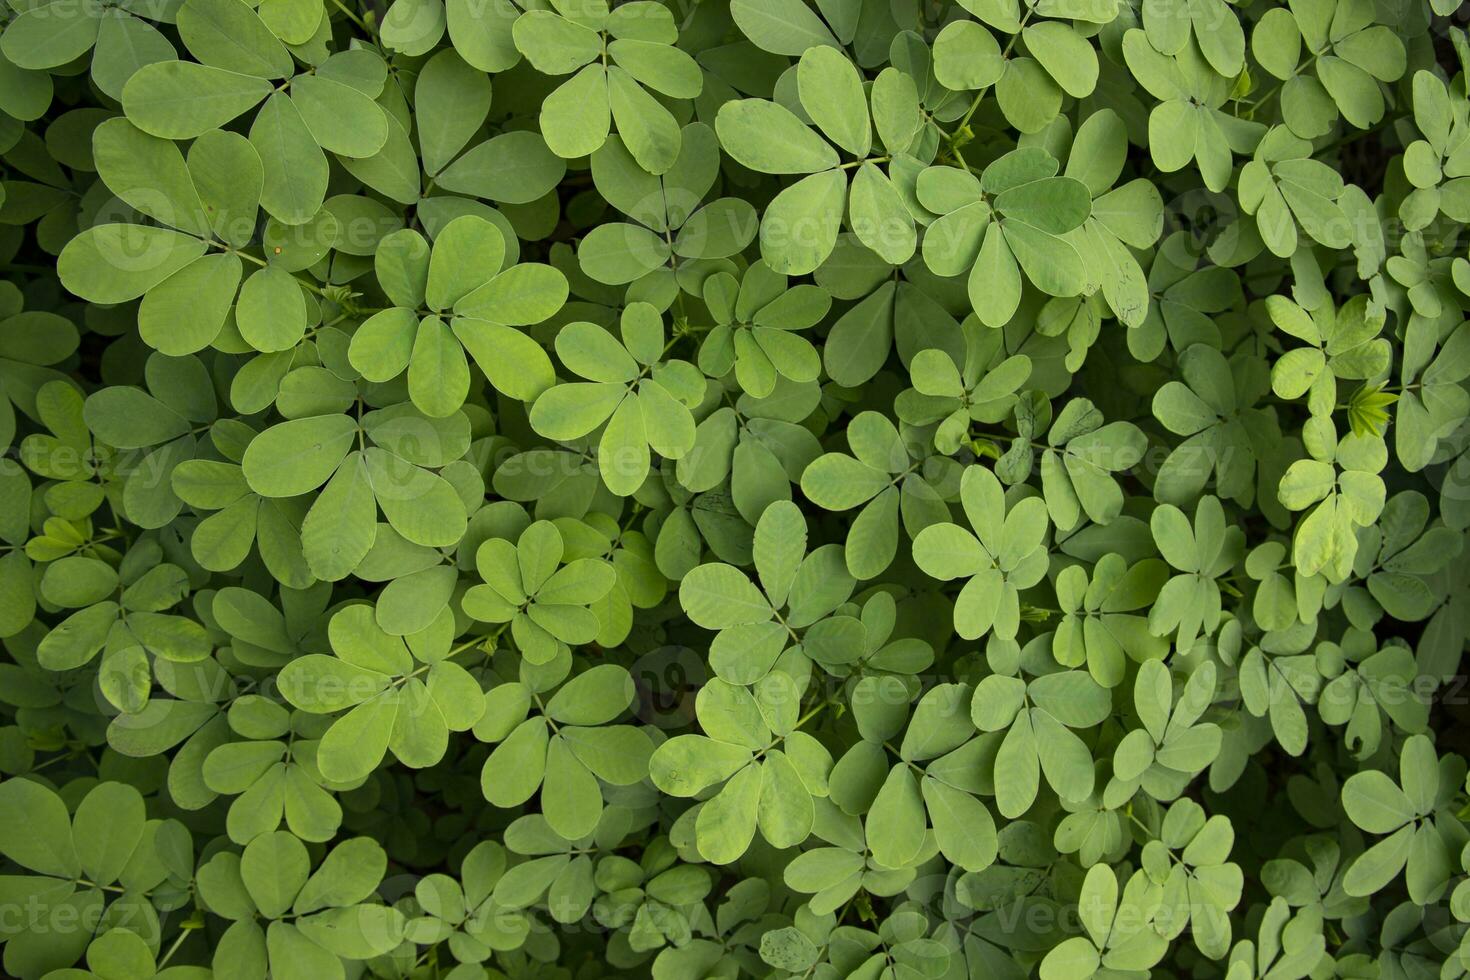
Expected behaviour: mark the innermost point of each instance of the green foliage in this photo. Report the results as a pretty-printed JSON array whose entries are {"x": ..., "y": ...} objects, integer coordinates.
[{"x": 748, "y": 488}]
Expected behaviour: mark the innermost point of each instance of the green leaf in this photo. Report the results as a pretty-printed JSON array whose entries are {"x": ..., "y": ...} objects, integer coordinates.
[
  {"x": 182, "y": 100},
  {"x": 451, "y": 101},
  {"x": 339, "y": 531},
  {"x": 38, "y": 832},
  {"x": 341, "y": 119},
  {"x": 229, "y": 34},
  {"x": 963, "y": 827},
  {"x": 799, "y": 229},
  {"x": 726, "y": 823},
  {"x": 1375, "y": 803},
  {"x": 295, "y": 168},
  {"x": 895, "y": 823},
  {"x": 706, "y": 423},
  {"x": 832, "y": 94},
  {"x": 719, "y": 597},
  {"x": 967, "y": 56},
  {"x": 298, "y": 456},
  {"x": 769, "y": 138},
  {"x": 786, "y": 27},
  {"x": 119, "y": 262},
  {"x": 129, "y": 418},
  {"x": 108, "y": 829}
]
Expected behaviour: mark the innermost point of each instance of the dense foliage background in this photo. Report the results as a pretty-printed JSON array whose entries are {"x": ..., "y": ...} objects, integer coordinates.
[{"x": 868, "y": 488}]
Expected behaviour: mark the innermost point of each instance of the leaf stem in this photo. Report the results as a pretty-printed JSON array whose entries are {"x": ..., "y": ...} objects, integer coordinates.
[
  {"x": 183, "y": 934},
  {"x": 980, "y": 93},
  {"x": 353, "y": 17}
]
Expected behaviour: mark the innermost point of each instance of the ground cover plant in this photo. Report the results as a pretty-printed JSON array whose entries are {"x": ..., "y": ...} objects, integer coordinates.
[{"x": 892, "y": 489}]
